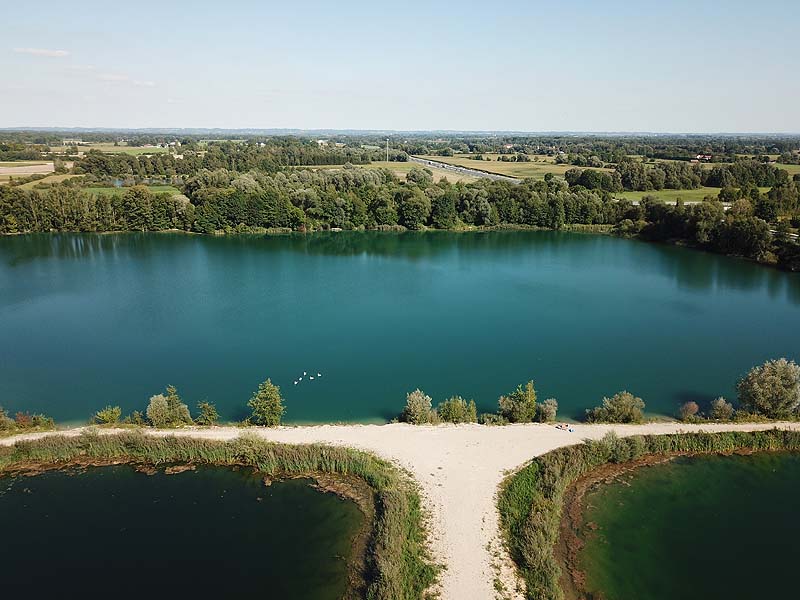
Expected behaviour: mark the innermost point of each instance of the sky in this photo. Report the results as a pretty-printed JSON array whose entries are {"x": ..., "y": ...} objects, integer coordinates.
[{"x": 668, "y": 66}]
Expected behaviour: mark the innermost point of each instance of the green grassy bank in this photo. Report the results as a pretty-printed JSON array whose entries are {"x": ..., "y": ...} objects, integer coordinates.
[
  {"x": 531, "y": 501},
  {"x": 398, "y": 565}
]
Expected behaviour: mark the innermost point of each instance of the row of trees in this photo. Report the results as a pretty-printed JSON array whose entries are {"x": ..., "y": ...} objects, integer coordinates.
[
  {"x": 168, "y": 410},
  {"x": 770, "y": 391},
  {"x": 269, "y": 156},
  {"x": 634, "y": 175},
  {"x": 519, "y": 406}
]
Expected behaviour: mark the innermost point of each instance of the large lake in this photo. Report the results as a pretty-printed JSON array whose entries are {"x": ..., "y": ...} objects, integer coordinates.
[
  {"x": 704, "y": 528},
  {"x": 90, "y": 320}
]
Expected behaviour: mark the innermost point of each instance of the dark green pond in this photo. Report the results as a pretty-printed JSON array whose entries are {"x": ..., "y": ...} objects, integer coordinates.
[
  {"x": 88, "y": 320},
  {"x": 113, "y": 532},
  {"x": 705, "y": 528}
]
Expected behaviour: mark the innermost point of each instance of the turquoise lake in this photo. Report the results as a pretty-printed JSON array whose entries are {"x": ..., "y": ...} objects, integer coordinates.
[{"x": 89, "y": 320}]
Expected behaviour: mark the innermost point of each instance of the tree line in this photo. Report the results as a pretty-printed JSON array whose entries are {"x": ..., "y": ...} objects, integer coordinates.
[{"x": 222, "y": 200}]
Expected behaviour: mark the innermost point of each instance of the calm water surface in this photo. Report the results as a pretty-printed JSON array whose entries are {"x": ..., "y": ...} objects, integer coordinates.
[
  {"x": 88, "y": 320},
  {"x": 214, "y": 532},
  {"x": 711, "y": 528}
]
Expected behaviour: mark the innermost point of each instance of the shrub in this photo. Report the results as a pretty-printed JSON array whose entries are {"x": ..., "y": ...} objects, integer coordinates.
[
  {"x": 168, "y": 411},
  {"x": 6, "y": 423},
  {"x": 178, "y": 411},
  {"x": 622, "y": 407},
  {"x": 107, "y": 416},
  {"x": 520, "y": 405},
  {"x": 418, "y": 409},
  {"x": 208, "y": 414},
  {"x": 492, "y": 419},
  {"x": 772, "y": 389},
  {"x": 457, "y": 410},
  {"x": 23, "y": 420},
  {"x": 267, "y": 405},
  {"x": 42, "y": 421},
  {"x": 688, "y": 411},
  {"x": 721, "y": 410},
  {"x": 158, "y": 411},
  {"x": 547, "y": 411}
]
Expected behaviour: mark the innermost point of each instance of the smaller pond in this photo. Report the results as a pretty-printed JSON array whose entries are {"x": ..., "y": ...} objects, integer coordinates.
[
  {"x": 210, "y": 532},
  {"x": 711, "y": 527}
]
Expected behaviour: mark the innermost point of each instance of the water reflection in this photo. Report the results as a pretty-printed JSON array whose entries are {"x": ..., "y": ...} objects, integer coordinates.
[{"x": 690, "y": 269}]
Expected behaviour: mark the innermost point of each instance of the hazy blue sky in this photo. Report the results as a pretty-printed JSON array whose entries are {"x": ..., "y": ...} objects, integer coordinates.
[{"x": 529, "y": 65}]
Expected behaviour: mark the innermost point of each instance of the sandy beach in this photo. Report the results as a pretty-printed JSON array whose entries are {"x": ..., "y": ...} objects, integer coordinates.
[{"x": 458, "y": 468}]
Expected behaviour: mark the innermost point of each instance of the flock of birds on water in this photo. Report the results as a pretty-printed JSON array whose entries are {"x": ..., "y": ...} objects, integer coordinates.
[{"x": 310, "y": 377}]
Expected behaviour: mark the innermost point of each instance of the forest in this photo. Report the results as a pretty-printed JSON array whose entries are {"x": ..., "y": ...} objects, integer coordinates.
[{"x": 254, "y": 186}]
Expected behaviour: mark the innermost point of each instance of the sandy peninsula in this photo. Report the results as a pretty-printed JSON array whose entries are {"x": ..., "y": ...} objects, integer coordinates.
[{"x": 459, "y": 469}]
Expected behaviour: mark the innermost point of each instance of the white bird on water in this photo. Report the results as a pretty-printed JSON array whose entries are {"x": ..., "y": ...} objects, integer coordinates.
[
  {"x": 295, "y": 383},
  {"x": 311, "y": 377},
  {"x": 304, "y": 373},
  {"x": 319, "y": 374}
]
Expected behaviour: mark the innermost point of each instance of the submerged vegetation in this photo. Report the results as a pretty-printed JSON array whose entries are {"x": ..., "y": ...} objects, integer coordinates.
[
  {"x": 531, "y": 501},
  {"x": 398, "y": 565}
]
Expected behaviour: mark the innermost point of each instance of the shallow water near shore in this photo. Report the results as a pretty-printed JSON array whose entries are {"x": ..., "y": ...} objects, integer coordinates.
[
  {"x": 89, "y": 320},
  {"x": 707, "y": 527},
  {"x": 213, "y": 532}
]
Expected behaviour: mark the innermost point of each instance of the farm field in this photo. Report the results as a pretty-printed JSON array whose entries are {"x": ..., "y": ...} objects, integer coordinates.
[
  {"x": 49, "y": 179},
  {"x": 22, "y": 163},
  {"x": 112, "y": 149},
  {"x": 401, "y": 169},
  {"x": 697, "y": 195},
  {"x": 109, "y": 191},
  {"x": 535, "y": 170}
]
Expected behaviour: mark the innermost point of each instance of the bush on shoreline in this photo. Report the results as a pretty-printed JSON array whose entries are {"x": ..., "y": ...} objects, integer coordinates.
[
  {"x": 398, "y": 565},
  {"x": 24, "y": 422},
  {"x": 531, "y": 501},
  {"x": 622, "y": 407},
  {"x": 267, "y": 405}
]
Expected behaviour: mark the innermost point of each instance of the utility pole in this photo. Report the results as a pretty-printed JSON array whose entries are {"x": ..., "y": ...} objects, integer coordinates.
[{"x": 387, "y": 149}]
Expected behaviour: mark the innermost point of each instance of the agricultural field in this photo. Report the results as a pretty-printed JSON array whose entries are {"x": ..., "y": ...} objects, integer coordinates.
[
  {"x": 401, "y": 169},
  {"x": 536, "y": 169},
  {"x": 112, "y": 149},
  {"x": 793, "y": 169},
  {"x": 110, "y": 191},
  {"x": 23, "y": 163},
  {"x": 689, "y": 196},
  {"x": 49, "y": 179}
]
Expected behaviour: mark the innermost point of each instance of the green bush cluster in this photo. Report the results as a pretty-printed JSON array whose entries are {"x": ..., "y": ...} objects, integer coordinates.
[
  {"x": 622, "y": 407},
  {"x": 24, "y": 422},
  {"x": 398, "y": 563},
  {"x": 519, "y": 406},
  {"x": 168, "y": 410},
  {"x": 531, "y": 501},
  {"x": 419, "y": 410}
]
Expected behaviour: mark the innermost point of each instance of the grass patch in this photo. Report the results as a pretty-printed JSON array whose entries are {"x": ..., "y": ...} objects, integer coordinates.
[
  {"x": 112, "y": 149},
  {"x": 110, "y": 191},
  {"x": 398, "y": 565},
  {"x": 400, "y": 170},
  {"x": 531, "y": 501},
  {"x": 49, "y": 179}
]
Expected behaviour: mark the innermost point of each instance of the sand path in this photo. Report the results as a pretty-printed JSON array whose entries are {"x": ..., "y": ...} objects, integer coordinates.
[{"x": 459, "y": 469}]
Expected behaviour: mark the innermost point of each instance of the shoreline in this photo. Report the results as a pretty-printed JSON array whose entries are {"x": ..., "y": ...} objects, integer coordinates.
[{"x": 458, "y": 470}]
